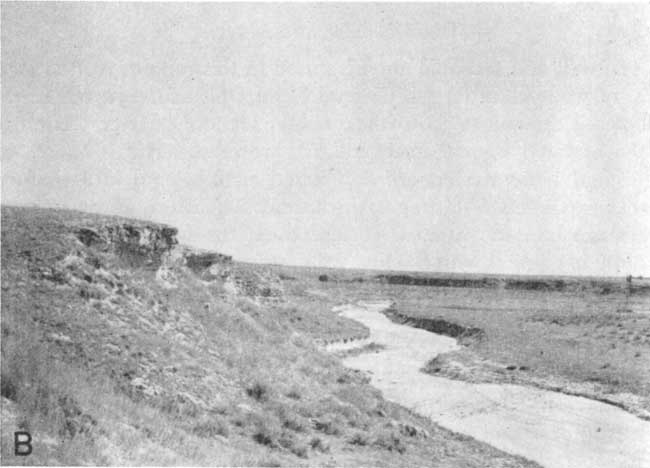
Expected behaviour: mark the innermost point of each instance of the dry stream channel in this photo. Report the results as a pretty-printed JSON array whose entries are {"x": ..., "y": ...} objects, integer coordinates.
[{"x": 553, "y": 429}]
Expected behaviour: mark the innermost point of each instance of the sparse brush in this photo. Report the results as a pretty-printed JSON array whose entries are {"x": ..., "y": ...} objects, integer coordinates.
[
  {"x": 210, "y": 426},
  {"x": 266, "y": 431},
  {"x": 291, "y": 420},
  {"x": 290, "y": 442}
]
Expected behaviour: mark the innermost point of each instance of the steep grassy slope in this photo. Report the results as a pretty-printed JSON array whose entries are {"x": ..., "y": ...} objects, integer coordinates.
[{"x": 121, "y": 347}]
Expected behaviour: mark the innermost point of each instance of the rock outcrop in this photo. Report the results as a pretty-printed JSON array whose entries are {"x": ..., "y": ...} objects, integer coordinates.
[
  {"x": 199, "y": 261},
  {"x": 208, "y": 266},
  {"x": 138, "y": 243}
]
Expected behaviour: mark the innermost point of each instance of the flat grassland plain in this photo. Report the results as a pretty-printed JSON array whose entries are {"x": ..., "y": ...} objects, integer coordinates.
[{"x": 121, "y": 347}]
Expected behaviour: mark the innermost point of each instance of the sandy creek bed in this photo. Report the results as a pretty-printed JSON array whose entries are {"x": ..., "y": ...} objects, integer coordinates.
[{"x": 553, "y": 429}]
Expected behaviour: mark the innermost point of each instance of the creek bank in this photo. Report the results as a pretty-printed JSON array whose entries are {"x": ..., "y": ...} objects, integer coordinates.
[
  {"x": 465, "y": 365},
  {"x": 436, "y": 325}
]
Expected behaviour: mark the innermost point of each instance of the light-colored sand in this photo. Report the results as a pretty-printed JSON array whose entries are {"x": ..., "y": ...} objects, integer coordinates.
[{"x": 553, "y": 429}]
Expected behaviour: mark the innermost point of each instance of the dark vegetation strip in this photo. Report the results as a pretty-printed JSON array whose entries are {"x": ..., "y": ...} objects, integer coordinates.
[
  {"x": 604, "y": 287},
  {"x": 437, "y": 325},
  {"x": 412, "y": 280}
]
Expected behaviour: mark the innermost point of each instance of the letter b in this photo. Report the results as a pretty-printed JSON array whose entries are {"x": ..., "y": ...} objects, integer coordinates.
[{"x": 22, "y": 443}]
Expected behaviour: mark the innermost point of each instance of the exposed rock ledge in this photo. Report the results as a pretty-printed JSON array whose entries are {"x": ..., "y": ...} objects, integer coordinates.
[
  {"x": 203, "y": 260},
  {"x": 139, "y": 243}
]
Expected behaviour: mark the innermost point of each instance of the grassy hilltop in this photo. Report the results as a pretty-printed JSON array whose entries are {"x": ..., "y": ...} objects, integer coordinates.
[{"x": 121, "y": 347}]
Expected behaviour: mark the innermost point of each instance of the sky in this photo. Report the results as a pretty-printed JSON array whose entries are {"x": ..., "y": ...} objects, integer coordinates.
[{"x": 489, "y": 138}]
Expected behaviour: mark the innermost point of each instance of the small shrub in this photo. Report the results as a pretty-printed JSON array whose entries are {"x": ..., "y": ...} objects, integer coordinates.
[
  {"x": 344, "y": 379},
  {"x": 323, "y": 278},
  {"x": 87, "y": 291},
  {"x": 300, "y": 450},
  {"x": 292, "y": 421},
  {"x": 408, "y": 430},
  {"x": 328, "y": 425},
  {"x": 289, "y": 442},
  {"x": 73, "y": 420},
  {"x": 359, "y": 439},
  {"x": 294, "y": 394},
  {"x": 259, "y": 391},
  {"x": 390, "y": 442},
  {"x": 266, "y": 433},
  {"x": 317, "y": 443},
  {"x": 263, "y": 437}
]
